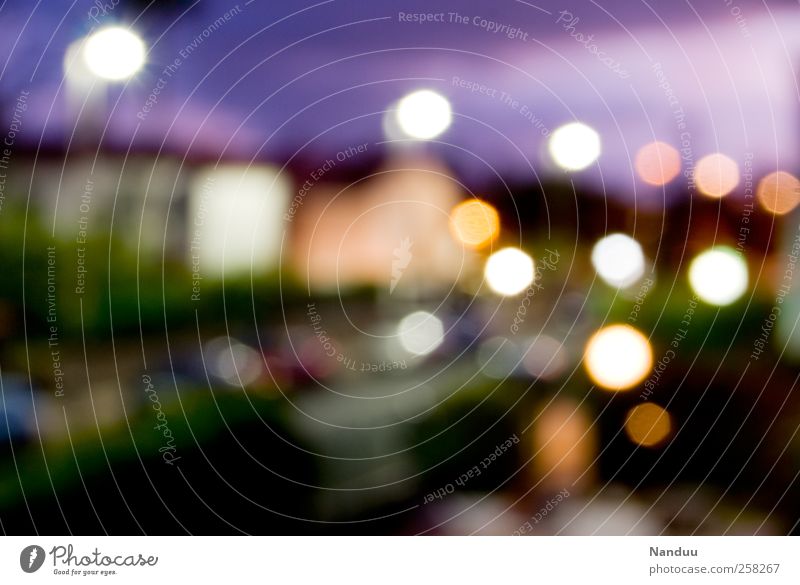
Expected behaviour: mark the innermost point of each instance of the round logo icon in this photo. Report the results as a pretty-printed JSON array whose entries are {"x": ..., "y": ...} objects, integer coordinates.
[{"x": 31, "y": 558}]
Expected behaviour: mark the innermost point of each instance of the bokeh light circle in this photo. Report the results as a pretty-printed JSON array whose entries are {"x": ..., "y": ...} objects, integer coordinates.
[
  {"x": 716, "y": 175},
  {"x": 618, "y": 357},
  {"x": 719, "y": 275},
  {"x": 424, "y": 114},
  {"x": 648, "y": 424},
  {"x": 657, "y": 163},
  {"x": 420, "y": 333},
  {"x": 574, "y": 146},
  {"x": 474, "y": 223},
  {"x": 779, "y": 192},
  {"x": 509, "y": 271},
  {"x": 618, "y": 260},
  {"x": 114, "y": 53}
]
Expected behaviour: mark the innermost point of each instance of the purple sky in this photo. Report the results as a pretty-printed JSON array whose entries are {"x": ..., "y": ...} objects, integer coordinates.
[{"x": 243, "y": 90}]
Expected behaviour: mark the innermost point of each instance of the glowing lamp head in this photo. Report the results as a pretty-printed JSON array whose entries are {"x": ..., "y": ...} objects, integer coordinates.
[
  {"x": 420, "y": 333},
  {"x": 618, "y": 357},
  {"x": 509, "y": 271},
  {"x": 574, "y": 146},
  {"x": 618, "y": 260},
  {"x": 114, "y": 53},
  {"x": 424, "y": 114},
  {"x": 718, "y": 276}
]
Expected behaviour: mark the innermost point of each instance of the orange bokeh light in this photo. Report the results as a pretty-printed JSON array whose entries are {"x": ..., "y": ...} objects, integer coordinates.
[
  {"x": 618, "y": 357},
  {"x": 474, "y": 223},
  {"x": 648, "y": 424},
  {"x": 716, "y": 175},
  {"x": 657, "y": 163},
  {"x": 779, "y": 193}
]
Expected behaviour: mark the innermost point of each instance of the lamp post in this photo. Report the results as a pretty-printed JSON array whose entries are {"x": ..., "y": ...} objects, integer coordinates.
[{"x": 109, "y": 55}]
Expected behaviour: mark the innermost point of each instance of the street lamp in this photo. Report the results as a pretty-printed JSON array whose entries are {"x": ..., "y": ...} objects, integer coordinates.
[
  {"x": 110, "y": 55},
  {"x": 114, "y": 53}
]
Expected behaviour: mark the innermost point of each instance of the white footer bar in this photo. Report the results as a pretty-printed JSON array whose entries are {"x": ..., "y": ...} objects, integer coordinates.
[{"x": 400, "y": 560}]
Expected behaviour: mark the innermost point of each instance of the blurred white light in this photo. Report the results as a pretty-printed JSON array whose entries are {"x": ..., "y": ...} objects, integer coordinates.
[
  {"x": 574, "y": 146},
  {"x": 618, "y": 260},
  {"x": 233, "y": 361},
  {"x": 509, "y": 271},
  {"x": 420, "y": 333},
  {"x": 618, "y": 357},
  {"x": 114, "y": 53},
  {"x": 424, "y": 114},
  {"x": 718, "y": 275}
]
